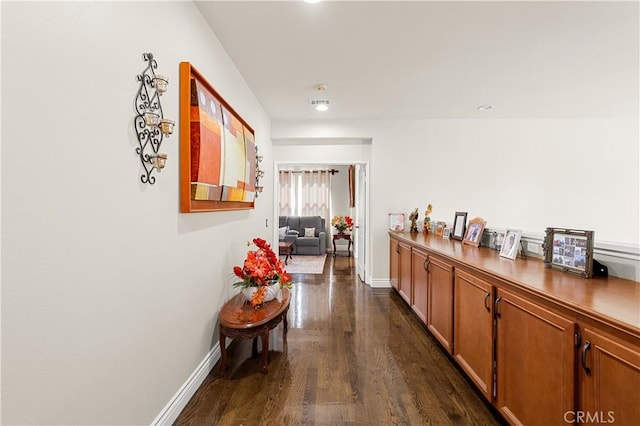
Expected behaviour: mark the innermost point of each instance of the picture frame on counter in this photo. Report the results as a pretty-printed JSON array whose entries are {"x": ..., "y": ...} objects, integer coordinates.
[
  {"x": 511, "y": 244},
  {"x": 440, "y": 228},
  {"x": 396, "y": 221},
  {"x": 459, "y": 225},
  {"x": 488, "y": 237},
  {"x": 569, "y": 250},
  {"x": 498, "y": 240},
  {"x": 446, "y": 233},
  {"x": 474, "y": 231}
]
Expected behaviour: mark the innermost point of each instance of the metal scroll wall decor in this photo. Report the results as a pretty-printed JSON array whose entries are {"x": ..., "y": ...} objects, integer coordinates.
[
  {"x": 150, "y": 125},
  {"x": 259, "y": 174}
]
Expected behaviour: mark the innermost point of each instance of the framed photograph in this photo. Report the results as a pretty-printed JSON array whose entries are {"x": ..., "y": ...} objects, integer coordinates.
[
  {"x": 511, "y": 244},
  {"x": 569, "y": 250},
  {"x": 498, "y": 240},
  {"x": 459, "y": 225},
  {"x": 440, "y": 228},
  {"x": 396, "y": 221},
  {"x": 446, "y": 233},
  {"x": 487, "y": 238},
  {"x": 474, "y": 231}
]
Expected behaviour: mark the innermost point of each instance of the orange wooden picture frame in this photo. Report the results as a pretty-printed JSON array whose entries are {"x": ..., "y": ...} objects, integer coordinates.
[
  {"x": 475, "y": 228},
  {"x": 187, "y": 202}
]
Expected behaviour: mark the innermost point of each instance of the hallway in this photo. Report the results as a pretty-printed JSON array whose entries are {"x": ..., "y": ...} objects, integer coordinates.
[{"x": 353, "y": 355}]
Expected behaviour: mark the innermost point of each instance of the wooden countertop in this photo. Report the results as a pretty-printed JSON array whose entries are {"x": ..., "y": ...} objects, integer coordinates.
[{"x": 615, "y": 301}]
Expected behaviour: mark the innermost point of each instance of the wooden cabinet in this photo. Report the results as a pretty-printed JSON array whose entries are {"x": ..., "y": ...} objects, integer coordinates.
[
  {"x": 535, "y": 358},
  {"x": 609, "y": 380},
  {"x": 404, "y": 280},
  {"x": 419, "y": 282},
  {"x": 544, "y": 347},
  {"x": 473, "y": 329},
  {"x": 394, "y": 267},
  {"x": 440, "y": 302}
]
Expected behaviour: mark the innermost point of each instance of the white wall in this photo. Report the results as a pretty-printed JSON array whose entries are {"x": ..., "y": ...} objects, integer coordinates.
[
  {"x": 110, "y": 296},
  {"x": 523, "y": 174},
  {"x": 340, "y": 191}
]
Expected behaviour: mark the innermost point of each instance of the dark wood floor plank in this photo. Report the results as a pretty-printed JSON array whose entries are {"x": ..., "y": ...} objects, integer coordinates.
[{"x": 353, "y": 355}]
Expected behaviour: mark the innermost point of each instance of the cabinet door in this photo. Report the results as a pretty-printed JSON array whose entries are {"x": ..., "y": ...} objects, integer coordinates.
[
  {"x": 440, "y": 297},
  {"x": 609, "y": 380},
  {"x": 473, "y": 329},
  {"x": 404, "y": 282},
  {"x": 535, "y": 358},
  {"x": 419, "y": 280},
  {"x": 394, "y": 267}
]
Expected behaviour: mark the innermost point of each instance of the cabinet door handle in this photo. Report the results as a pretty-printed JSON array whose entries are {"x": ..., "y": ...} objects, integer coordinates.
[
  {"x": 398, "y": 248},
  {"x": 585, "y": 348},
  {"x": 486, "y": 299},
  {"x": 495, "y": 306},
  {"x": 426, "y": 265}
]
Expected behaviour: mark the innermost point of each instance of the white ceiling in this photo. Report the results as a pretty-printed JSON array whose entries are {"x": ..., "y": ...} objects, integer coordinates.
[{"x": 425, "y": 59}]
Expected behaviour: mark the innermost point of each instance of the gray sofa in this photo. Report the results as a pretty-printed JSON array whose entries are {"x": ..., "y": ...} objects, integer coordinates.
[{"x": 294, "y": 230}]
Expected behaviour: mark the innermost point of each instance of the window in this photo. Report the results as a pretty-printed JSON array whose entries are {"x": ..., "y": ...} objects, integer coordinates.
[{"x": 305, "y": 193}]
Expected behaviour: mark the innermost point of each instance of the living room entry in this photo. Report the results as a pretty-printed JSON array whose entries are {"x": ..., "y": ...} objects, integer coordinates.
[{"x": 310, "y": 199}]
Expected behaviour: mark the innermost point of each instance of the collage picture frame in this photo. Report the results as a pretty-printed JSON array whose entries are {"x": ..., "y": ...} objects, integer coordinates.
[{"x": 569, "y": 250}]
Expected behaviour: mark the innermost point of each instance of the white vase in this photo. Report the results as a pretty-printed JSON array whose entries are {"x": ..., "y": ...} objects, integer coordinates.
[{"x": 273, "y": 292}]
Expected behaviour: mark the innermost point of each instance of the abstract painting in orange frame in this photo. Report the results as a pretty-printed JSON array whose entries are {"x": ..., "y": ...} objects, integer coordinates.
[{"x": 217, "y": 149}]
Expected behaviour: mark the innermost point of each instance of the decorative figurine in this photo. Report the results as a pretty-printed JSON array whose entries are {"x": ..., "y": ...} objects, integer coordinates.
[
  {"x": 413, "y": 217},
  {"x": 427, "y": 220}
]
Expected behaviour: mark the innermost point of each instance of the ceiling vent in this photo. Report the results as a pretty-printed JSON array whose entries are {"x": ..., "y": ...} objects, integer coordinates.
[{"x": 320, "y": 104}]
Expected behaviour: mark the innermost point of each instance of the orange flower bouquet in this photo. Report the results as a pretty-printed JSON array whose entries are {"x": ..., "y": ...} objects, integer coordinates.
[
  {"x": 342, "y": 223},
  {"x": 260, "y": 274}
]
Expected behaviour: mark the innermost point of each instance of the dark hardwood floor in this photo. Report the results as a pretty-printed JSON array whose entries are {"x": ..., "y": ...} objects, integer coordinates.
[{"x": 353, "y": 355}]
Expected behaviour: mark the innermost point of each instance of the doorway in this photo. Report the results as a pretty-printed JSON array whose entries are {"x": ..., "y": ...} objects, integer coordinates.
[{"x": 359, "y": 212}]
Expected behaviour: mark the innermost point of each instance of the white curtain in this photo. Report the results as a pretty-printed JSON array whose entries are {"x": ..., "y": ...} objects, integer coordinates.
[
  {"x": 315, "y": 193},
  {"x": 286, "y": 193},
  {"x": 306, "y": 193}
]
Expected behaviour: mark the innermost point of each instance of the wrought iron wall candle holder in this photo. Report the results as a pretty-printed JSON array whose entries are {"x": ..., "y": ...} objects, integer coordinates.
[
  {"x": 150, "y": 125},
  {"x": 259, "y": 173}
]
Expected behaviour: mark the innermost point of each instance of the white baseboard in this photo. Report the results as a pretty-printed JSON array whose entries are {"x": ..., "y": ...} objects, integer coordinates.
[
  {"x": 379, "y": 283},
  {"x": 174, "y": 407}
]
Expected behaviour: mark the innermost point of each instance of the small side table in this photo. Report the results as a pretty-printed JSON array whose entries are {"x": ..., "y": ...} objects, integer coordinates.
[
  {"x": 238, "y": 320},
  {"x": 285, "y": 248},
  {"x": 342, "y": 237}
]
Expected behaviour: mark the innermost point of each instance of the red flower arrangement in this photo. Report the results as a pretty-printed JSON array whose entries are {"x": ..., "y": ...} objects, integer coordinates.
[
  {"x": 261, "y": 269},
  {"x": 342, "y": 223}
]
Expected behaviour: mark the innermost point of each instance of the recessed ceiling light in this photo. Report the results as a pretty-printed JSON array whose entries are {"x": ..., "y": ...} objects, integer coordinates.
[
  {"x": 485, "y": 107},
  {"x": 320, "y": 104},
  {"x": 312, "y": 1}
]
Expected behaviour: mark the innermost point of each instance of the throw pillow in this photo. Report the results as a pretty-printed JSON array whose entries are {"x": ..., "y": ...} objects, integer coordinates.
[
  {"x": 309, "y": 232},
  {"x": 282, "y": 231}
]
